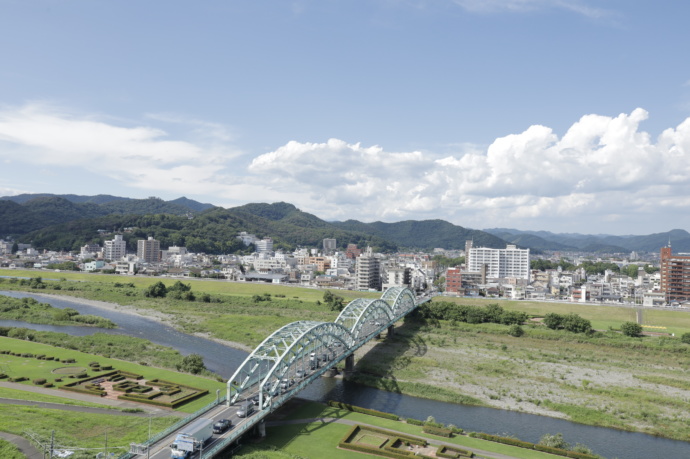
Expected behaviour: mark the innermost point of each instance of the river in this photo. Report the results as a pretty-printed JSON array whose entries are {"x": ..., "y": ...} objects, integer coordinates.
[{"x": 610, "y": 443}]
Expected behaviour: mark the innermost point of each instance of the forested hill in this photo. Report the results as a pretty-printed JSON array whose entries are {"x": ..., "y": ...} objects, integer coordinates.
[
  {"x": 425, "y": 234},
  {"x": 213, "y": 231},
  {"x": 25, "y": 213}
]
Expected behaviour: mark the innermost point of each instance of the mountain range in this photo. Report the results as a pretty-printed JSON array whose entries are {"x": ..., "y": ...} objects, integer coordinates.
[{"x": 66, "y": 222}]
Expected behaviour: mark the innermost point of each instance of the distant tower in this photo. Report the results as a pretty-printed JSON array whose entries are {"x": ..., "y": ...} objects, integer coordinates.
[{"x": 329, "y": 246}]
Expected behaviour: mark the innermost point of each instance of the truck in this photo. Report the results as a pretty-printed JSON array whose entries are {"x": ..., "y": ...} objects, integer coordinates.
[{"x": 191, "y": 438}]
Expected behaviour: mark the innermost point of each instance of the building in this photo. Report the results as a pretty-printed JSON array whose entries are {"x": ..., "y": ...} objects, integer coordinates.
[
  {"x": 352, "y": 251},
  {"x": 329, "y": 246},
  {"x": 149, "y": 250},
  {"x": 510, "y": 262},
  {"x": 454, "y": 281},
  {"x": 368, "y": 271},
  {"x": 675, "y": 275},
  {"x": 264, "y": 245},
  {"x": 115, "y": 249}
]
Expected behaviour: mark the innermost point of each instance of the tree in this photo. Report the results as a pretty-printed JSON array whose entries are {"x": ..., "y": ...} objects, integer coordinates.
[
  {"x": 192, "y": 363},
  {"x": 632, "y": 329},
  {"x": 157, "y": 290},
  {"x": 576, "y": 324},
  {"x": 334, "y": 302},
  {"x": 553, "y": 320}
]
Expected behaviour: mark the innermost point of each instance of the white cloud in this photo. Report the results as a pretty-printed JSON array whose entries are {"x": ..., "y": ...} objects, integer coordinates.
[
  {"x": 602, "y": 169},
  {"x": 522, "y": 6},
  {"x": 137, "y": 156},
  {"x": 601, "y": 166}
]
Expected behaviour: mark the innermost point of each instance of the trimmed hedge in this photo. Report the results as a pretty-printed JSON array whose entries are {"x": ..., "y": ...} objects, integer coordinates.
[
  {"x": 414, "y": 422},
  {"x": 39, "y": 381},
  {"x": 453, "y": 453},
  {"x": 359, "y": 409},
  {"x": 524, "y": 444},
  {"x": 439, "y": 431}
]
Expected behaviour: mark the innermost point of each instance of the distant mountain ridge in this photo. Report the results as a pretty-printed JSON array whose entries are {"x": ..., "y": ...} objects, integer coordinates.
[{"x": 545, "y": 240}]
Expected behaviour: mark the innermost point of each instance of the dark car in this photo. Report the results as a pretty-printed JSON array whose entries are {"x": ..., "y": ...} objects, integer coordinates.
[{"x": 222, "y": 425}]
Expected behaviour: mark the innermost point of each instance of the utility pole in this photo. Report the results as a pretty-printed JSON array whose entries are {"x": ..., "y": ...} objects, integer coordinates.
[{"x": 106, "y": 443}]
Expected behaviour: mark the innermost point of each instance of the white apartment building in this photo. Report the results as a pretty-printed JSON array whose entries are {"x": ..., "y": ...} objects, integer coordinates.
[
  {"x": 368, "y": 271},
  {"x": 115, "y": 249},
  {"x": 264, "y": 245},
  {"x": 510, "y": 262}
]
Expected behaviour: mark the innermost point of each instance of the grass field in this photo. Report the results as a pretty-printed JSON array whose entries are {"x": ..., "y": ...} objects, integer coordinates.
[
  {"x": 9, "y": 451},
  {"x": 602, "y": 317},
  {"x": 32, "y": 368},
  {"x": 320, "y": 439}
]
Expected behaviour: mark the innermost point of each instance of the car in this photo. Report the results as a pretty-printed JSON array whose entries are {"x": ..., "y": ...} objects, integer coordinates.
[
  {"x": 255, "y": 400},
  {"x": 300, "y": 373},
  {"x": 222, "y": 425},
  {"x": 245, "y": 410}
]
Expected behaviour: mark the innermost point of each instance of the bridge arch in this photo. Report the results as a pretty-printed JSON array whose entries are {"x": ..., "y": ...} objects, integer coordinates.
[
  {"x": 400, "y": 299},
  {"x": 365, "y": 316},
  {"x": 290, "y": 345}
]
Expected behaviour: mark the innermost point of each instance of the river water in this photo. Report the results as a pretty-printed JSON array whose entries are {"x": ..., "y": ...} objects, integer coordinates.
[{"x": 610, "y": 443}]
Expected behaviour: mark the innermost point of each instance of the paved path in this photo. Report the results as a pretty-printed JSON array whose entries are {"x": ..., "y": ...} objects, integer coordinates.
[
  {"x": 483, "y": 453},
  {"x": 23, "y": 444}
]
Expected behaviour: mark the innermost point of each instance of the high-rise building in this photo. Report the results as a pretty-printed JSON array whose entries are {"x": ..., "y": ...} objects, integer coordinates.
[
  {"x": 149, "y": 250},
  {"x": 329, "y": 246},
  {"x": 115, "y": 249},
  {"x": 499, "y": 263},
  {"x": 264, "y": 245},
  {"x": 675, "y": 275},
  {"x": 368, "y": 271}
]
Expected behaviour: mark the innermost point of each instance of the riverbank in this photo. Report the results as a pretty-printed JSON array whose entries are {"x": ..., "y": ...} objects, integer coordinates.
[
  {"x": 633, "y": 384},
  {"x": 152, "y": 314}
]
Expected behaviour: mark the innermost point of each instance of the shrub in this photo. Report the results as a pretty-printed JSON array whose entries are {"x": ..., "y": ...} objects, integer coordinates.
[
  {"x": 631, "y": 329},
  {"x": 685, "y": 338},
  {"x": 516, "y": 331},
  {"x": 441, "y": 432},
  {"x": 414, "y": 422},
  {"x": 39, "y": 381}
]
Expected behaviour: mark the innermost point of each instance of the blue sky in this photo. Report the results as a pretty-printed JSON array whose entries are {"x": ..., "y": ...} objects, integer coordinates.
[{"x": 563, "y": 115}]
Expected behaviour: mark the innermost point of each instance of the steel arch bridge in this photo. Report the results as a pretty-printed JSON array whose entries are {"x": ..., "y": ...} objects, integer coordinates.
[{"x": 296, "y": 354}]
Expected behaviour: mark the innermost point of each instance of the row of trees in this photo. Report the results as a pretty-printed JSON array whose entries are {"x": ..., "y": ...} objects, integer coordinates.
[
  {"x": 590, "y": 267},
  {"x": 492, "y": 313}
]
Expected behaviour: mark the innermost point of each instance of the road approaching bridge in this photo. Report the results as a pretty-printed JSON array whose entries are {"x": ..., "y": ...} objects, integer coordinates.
[{"x": 287, "y": 361}]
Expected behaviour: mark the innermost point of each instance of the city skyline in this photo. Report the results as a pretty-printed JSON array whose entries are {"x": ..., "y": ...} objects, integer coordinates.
[{"x": 558, "y": 115}]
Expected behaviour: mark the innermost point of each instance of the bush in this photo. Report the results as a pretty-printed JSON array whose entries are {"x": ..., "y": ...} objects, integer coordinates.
[
  {"x": 685, "y": 338},
  {"x": 414, "y": 422},
  {"x": 39, "y": 381},
  {"x": 631, "y": 329},
  {"x": 516, "y": 331}
]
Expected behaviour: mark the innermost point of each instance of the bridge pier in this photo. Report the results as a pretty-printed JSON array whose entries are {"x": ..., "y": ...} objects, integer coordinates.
[
  {"x": 262, "y": 428},
  {"x": 390, "y": 331},
  {"x": 349, "y": 364}
]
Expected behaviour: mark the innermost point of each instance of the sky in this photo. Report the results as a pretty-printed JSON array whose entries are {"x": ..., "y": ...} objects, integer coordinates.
[{"x": 557, "y": 115}]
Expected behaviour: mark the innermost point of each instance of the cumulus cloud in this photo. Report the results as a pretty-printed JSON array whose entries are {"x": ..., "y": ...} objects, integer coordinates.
[{"x": 602, "y": 166}]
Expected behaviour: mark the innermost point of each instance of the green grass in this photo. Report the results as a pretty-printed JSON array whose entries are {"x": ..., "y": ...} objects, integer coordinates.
[
  {"x": 79, "y": 429},
  {"x": 9, "y": 451},
  {"x": 320, "y": 439},
  {"x": 17, "y": 394},
  {"x": 33, "y": 368},
  {"x": 602, "y": 317}
]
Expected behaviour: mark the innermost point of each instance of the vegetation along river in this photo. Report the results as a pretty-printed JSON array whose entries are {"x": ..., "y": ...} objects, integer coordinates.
[{"x": 223, "y": 360}]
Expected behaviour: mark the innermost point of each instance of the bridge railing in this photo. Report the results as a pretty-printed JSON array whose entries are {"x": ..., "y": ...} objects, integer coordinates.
[{"x": 175, "y": 427}]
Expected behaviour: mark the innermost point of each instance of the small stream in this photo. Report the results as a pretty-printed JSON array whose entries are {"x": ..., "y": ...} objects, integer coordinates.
[{"x": 610, "y": 443}]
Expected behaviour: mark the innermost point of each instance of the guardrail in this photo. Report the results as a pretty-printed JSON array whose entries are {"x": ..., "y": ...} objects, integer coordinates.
[{"x": 159, "y": 436}]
